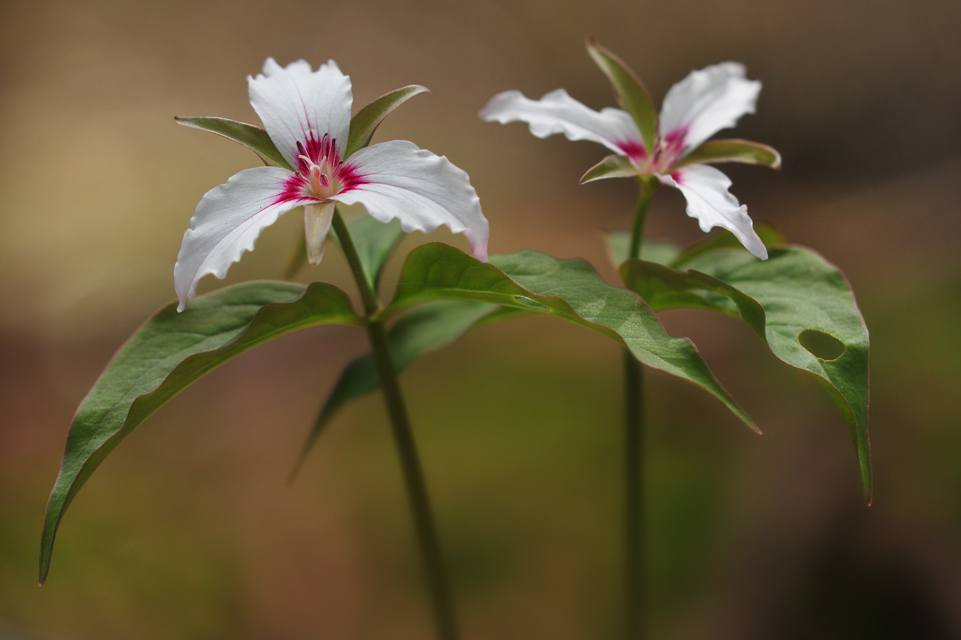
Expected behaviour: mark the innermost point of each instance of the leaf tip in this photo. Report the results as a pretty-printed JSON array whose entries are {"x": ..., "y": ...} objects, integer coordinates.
[
  {"x": 776, "y": 165},
  {"x": 44, "y": 568},
  {"x": 868, "y": 483}
]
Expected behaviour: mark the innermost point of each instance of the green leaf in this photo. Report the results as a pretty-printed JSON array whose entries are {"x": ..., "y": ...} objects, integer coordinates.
[
  {"x": 374, "y": 241},
  {"x": 613, "y": 166},
  {"x": 631, "y": 93},
  {"x": 664, "y": 288},
  {"x": 168, "y": 353},
  {"x": 619, "y": 244},
  {"x": 669, "y": 254},
  {"x": 732, "y": 151},
  {"x": 252, "y": 137},
  {"x": 421, "y": 329},
  {"x": 365, "y": 123},
  {"x": 770, "y": 235},
  {"x": 568, "y": 289},
  {"x": 800, "y": 304}
]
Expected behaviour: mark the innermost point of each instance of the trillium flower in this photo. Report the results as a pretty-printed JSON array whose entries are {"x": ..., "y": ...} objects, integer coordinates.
[
  {"x": 673, "y": 147},
  {"x": 307, "y": 115}
]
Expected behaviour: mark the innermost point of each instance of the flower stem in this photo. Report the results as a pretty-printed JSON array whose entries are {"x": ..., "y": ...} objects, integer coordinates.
[
  {"x": 634, "y": 449},
  {"x": 427, "y": 539},
  {"x": 649, "y": 186}
]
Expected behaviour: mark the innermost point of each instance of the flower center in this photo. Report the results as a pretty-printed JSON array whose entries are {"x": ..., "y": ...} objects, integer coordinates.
[
  {"x": 322, "y": 180},
  {"x": 667, "y": 151},
  {"x": 319, "y": 164}
]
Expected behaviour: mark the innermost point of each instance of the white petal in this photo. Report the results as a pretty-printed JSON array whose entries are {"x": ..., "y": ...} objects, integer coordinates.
[
  {"x": 557, "y": 112},
  {"x": 708, "y": 200},
  {"x": 317, "y": 219},
  {"x": 707, "y": 101},
  {"x": 227, "y": 222},
  {"x": 420, "y": 189},
  {"x": 297, "y": 104}
]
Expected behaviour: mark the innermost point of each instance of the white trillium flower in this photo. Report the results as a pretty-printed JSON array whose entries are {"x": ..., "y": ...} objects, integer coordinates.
[
  {"x": 307, "y": 115},
  {"x": 694, "y": 109}
]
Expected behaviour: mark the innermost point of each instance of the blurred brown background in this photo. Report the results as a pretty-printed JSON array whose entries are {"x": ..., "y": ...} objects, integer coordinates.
[{"x": 188, "y": 529}]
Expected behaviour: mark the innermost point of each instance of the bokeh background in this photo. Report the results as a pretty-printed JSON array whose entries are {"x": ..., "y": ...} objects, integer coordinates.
[{"x": 189, "y": 530}]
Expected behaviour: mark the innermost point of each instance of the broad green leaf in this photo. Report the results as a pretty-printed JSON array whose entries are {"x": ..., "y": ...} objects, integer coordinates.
[
  {"x": 663, "y": 288},
  {"x": 568, "y": 289},
  {"x": 374, "y": 241},
  {"x": 800, "y": 304},
  {"x": 732, "y": 151},
  {"x": 631, "y": 93},
  {"x": 668, "y": 253},
  {"x": 425, "y": 328},
  {"x": 613, "y": 166},
  {"x": 619, "y": 243},
  {"x": 252, "y": 137},
  {"x": 770, "y": 235},
  {"x": 170, "y": 352},
  {"x": 365, "y": 123}
]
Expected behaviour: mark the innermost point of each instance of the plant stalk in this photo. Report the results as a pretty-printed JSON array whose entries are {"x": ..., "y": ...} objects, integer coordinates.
[
  {"x": 634, "y": 534},
  {"x": 427, "y": 539}
]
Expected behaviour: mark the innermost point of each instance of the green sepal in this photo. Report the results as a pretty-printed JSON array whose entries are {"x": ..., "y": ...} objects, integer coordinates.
[
  {"x": 731, "y": 151},
  {"x": 631, "y": 93},
  {"x": 168, "y": 353},
  {"x": 568, "y": 289},
  {"x": 800, "y": 304},
  {"x": 365, "y": 123},
  {"x": 613, "y": 166},
  {"x": 252, "y": 137},
  {"x": 425, "y": 328}
]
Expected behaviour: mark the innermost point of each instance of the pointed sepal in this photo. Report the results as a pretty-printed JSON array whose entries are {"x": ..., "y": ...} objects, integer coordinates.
[
  {"x": 365, "y": 123},
  {"x": 252, "y": 137},
  {"x": 631, "y": 93},
  {"x": 743, "y": 151},
  {"x": 613, "y": 166}
]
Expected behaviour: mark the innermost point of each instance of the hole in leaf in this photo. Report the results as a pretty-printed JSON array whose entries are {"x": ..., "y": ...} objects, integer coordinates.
[
  {"x": 527, "y": 302},
  {"x": 821, "y": 345}
]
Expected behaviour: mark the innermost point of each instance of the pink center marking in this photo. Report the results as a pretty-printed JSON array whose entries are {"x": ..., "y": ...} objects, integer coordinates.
[
  {"x": 634, "y": 149},
  {"x": 320, "y": 172}
]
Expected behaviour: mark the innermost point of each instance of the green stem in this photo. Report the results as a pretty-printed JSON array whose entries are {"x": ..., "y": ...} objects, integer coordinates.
[
  {"x": 634, "y": 496},
  {"x": 427, "y": 539},
  {"x": 649, "y": 186},
  {"x": 634, "y": 448}
]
